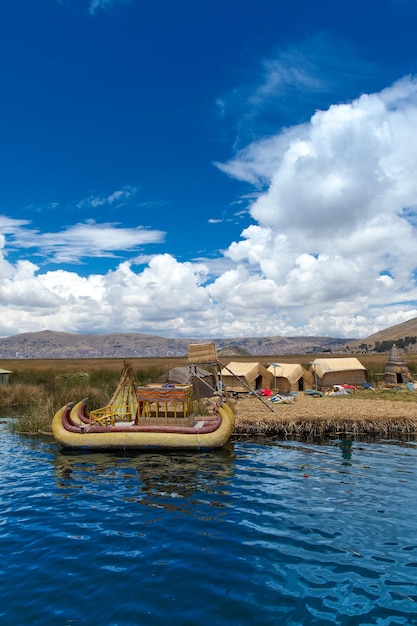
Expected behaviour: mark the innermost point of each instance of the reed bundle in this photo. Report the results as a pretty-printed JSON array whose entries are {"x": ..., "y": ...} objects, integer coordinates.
[
  {"x": 200, "y": 353},
  {"x": 125, "y": 395},
  {"x": 321, "y": 427}
]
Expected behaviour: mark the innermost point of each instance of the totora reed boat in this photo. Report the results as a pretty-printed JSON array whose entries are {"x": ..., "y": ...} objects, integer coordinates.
[{"x": 144, "y": 417}]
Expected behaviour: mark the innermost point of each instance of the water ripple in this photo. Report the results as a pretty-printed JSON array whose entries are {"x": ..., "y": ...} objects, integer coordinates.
[{"x": 288, "y": 533}]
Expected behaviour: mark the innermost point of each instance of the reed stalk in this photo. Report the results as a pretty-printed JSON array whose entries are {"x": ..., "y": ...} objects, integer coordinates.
[{"x": 35, "y": 395}]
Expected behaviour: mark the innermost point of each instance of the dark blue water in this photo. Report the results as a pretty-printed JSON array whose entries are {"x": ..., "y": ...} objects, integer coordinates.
[{"x": 286, "y": 533}]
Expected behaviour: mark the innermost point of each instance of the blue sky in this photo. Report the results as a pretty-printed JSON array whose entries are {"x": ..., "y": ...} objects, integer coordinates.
[{"x": 208, "y": 169}]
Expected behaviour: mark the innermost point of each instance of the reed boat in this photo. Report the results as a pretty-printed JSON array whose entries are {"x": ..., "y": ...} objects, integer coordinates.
[
  {"x": 72, "y": 427},
  {"x": 144, "y": 417}
]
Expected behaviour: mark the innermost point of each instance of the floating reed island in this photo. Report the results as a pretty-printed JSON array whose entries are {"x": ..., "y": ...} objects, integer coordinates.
[
  {"x": 387, "y": 413},
  {"x": 388, "y": 410}
]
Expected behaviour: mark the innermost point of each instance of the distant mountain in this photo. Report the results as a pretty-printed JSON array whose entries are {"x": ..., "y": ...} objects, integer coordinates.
[
  {"x": 397, "y": 333},
  {"x": 228, "y": 351},
  {"x": 58, "y": 345},
  {"x": 279, "y": 345},
  {"x": 49, "y": 344}
]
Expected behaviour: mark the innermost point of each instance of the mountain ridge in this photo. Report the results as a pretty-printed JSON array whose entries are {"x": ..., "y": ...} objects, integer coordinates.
[
  {"x": 392, "y": 333},
  {"x": 49, "y": 344}
]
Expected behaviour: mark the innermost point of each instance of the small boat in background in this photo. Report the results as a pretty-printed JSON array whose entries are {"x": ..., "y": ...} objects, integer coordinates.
[{"x": 144, "y": 417}]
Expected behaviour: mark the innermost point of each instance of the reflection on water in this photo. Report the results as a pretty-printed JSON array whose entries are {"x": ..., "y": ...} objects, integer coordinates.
[
  {"x": 345, "y": 446},
  {"x": 293, "y": 532},
  {"x": 171, "y": 480}
]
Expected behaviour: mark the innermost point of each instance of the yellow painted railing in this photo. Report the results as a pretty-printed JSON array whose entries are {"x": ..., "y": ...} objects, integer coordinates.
[{"x": 109, "y": 415}]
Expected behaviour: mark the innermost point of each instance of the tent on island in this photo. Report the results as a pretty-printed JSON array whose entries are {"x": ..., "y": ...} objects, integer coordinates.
[
  {"x": 396, "y": 371},
  {"x": 235, "y": 377},
  {"x": 288, "y": 377},
  {"x": 243, "y": 377},
  {"x": 203, "y": 381},
  {"x": 329, "y": 372}
]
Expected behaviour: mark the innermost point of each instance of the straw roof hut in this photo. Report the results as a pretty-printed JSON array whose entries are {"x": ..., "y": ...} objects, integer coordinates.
[
  {"x": 241, "y": 377},
  {"x": 339, "y": 371},
  {"x": 4, "y": 376},
  {"x": 396, "y": 370},
  {"x": 203, "y": 381},
  {"x": 288, "y": 377}
]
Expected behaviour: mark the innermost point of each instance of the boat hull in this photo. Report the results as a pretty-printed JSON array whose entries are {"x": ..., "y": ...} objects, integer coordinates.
[{"x": 130, "y": 439}]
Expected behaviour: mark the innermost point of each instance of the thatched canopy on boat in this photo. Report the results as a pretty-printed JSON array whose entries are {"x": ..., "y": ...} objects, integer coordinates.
[
  {"x": 125, "y": 397},
  {"x": 289, "y": 377},
  {"x": 241, "y": 377},
  {"x": 203, "y": 381},
  {"x": 396, "y": 370},
  {"x": 338, "y": 371}
]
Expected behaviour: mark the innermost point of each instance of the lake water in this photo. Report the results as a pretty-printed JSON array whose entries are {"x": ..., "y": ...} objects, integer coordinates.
[{"x": 286, "y": 533}]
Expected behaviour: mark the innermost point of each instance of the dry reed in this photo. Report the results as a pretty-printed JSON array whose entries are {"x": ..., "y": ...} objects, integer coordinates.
[
  {"x": 20, "y": 394},
  {"x": 385, "y": 413},
  {"x": 308, "y": 416}
]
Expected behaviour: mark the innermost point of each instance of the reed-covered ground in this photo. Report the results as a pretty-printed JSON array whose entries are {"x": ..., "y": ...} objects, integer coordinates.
[
  {"x": 390, "y": 413},
  {"x": 38, "y": 388}
]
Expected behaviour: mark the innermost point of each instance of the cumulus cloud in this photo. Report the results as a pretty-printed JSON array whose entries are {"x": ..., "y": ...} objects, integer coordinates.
[
  {"x": 164, "y": 297},
  {"x": 331, "y": 250},
  {"x": 339, "y": 213}
]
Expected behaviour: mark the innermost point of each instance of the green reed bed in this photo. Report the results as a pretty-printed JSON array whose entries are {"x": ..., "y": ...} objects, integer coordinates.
[
  {"x": 400, "y": 394},
  {"x": 38, "y": 394}
]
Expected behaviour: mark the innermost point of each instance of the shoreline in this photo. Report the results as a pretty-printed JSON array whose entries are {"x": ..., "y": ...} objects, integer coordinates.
[{"x": 308, "y": 416}]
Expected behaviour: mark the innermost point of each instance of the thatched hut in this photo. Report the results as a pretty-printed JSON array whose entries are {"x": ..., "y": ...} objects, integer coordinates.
[
  {"x": 289, "y": 377},
  {"x": 4, "y": 376},
  {"x": 338, "y": 371},
  {"x": 241, "y": 377},
  {"x": 396, "y": 370},
  {"x": 203, "y": 381}
]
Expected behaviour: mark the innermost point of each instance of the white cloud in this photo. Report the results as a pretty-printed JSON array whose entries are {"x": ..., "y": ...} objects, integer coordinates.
[
  {"x": 332, "y": 249},
  {"x": 98, "y": 5},
  {"x": 10, "y": 225},
  {"x": 94, "y": 6},
  {"x": 118, "y": 198},
  {"x": 332, "y": 220},
  {"x": 80, "y": 241}
]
